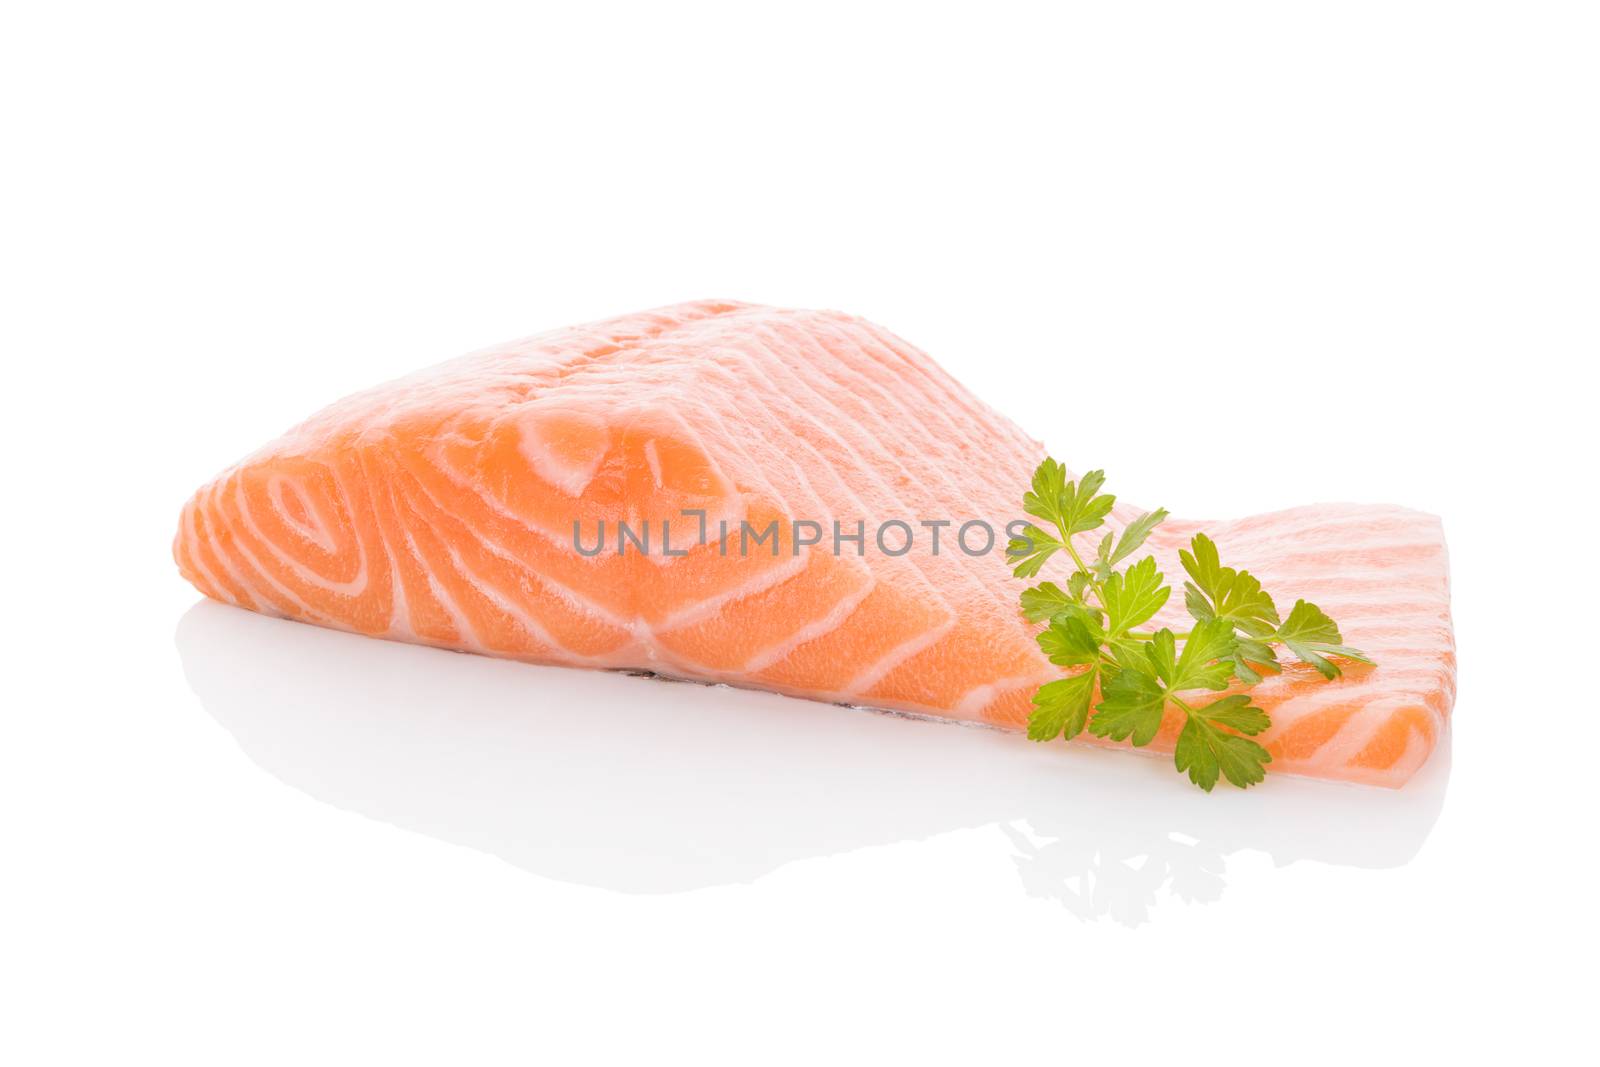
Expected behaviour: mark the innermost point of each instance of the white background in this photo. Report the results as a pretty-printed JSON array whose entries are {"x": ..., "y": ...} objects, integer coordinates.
[{"x": 1245, "y": 256}]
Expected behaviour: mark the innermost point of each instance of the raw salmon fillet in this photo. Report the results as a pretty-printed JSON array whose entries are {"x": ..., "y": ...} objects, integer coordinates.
[{"x": 441, "y": 509}]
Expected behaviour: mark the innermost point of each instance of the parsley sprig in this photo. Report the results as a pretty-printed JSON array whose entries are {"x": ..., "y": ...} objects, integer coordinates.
[{"x": 1093, "y": 629}]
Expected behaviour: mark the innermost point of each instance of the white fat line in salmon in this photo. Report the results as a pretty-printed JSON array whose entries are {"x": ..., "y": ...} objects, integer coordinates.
[{"x": 891, "y": 537}]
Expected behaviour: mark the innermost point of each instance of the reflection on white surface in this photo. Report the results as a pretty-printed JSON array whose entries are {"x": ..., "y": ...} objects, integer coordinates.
[{"x": 644, "y": 786}]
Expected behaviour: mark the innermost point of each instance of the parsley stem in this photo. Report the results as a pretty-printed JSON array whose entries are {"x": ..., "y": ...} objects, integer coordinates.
[{"x": 1066, "y": 539}]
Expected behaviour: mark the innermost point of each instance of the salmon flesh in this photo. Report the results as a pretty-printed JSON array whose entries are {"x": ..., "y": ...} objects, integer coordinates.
[{"x": 782, "y": 499}]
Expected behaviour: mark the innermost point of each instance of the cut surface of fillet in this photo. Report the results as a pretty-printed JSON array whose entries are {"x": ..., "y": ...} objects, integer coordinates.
[{"x": 721, "y": 492}]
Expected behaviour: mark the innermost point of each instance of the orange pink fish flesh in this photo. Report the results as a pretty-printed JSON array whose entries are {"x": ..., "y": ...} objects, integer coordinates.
[{"x": 440, "y": 509}]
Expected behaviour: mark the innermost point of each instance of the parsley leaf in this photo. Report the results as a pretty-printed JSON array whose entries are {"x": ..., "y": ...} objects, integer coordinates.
[
  {"x": 1237, "y": 713},
  {"x": 1029, "y": 552},
  {"x": 1049, "y": 487},
  {"x": 1204, "y": 750},
  {"x": 1208, "y": 641},
  {"x": 1312, "y": 636},
  {"x": 1219, "y": 592},
  {"x": 1060, "y": 708},
  {"x": 1134, "y": 534},
  {"x": 1088, "y": 507},
  {"x": 1133, "y": 706},
  {"x": 1127, "y": 654},
  {"x": 1249, "y": 654},
  {"x": 1069, "y": 642},
  {"x": 1133, "y": 598},
  {"x": 1162, "y": 654},
  {"x": 1073, "y": 507},
  {"x": 1205, "y": 566},
  {"x": 1222, "y": 592},
  {"x": 1100, "y": 570},
  {"x": 1042, "y": 601}
]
